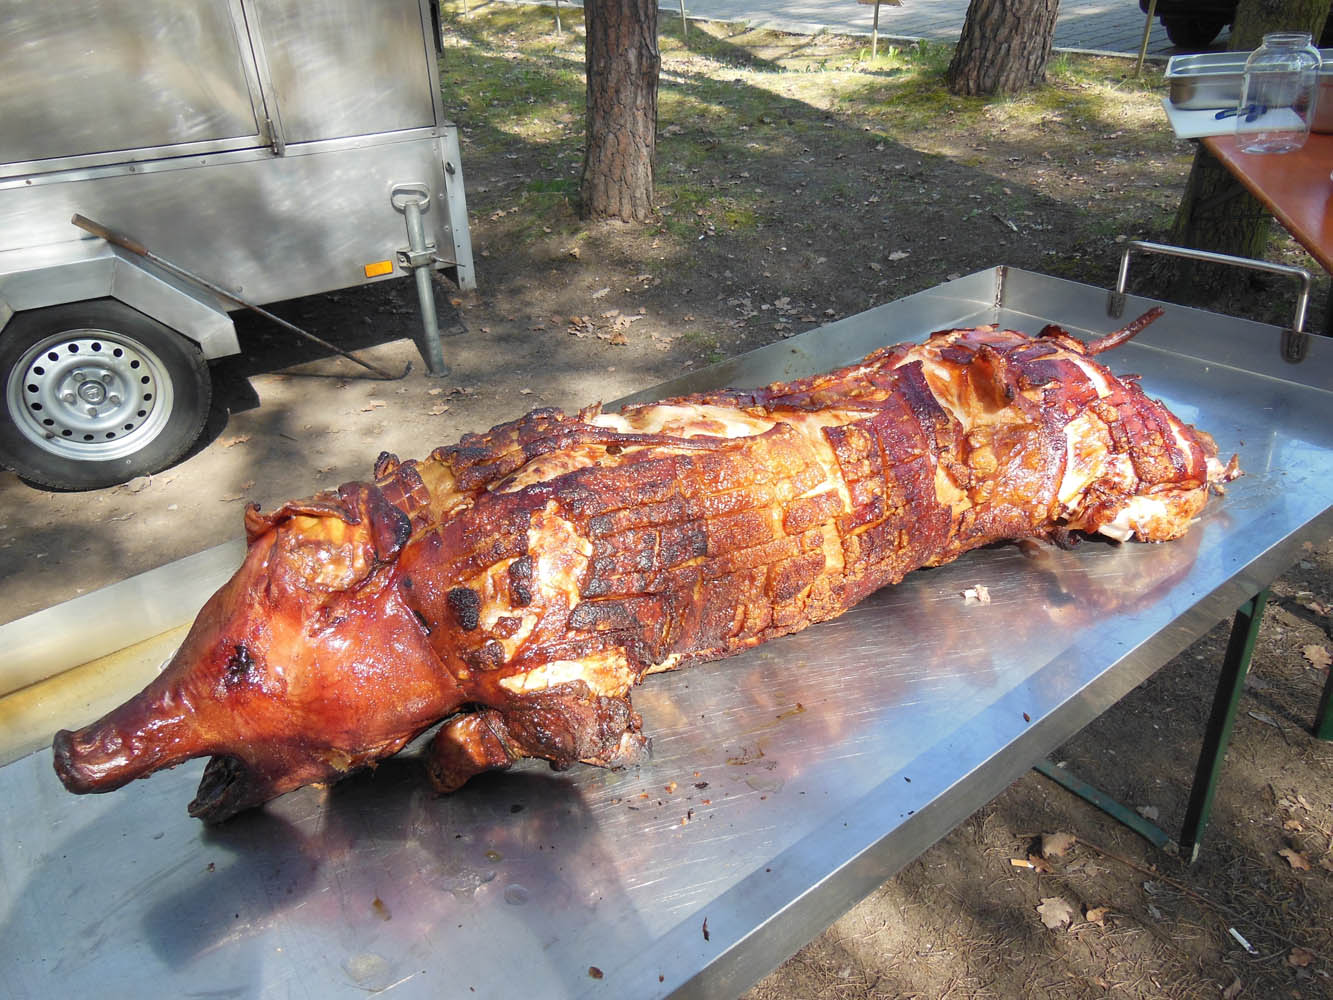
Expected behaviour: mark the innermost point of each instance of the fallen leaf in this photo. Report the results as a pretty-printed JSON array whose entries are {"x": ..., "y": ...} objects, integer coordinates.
[
  {"x": 1300, "y": 957},
  {"x": 374, "y": 404},
  {"x": 1055, "y": 912},
  {"x": 594, "y": 972},
  {"x": 900, "y": 254},
  {"x": 600, "y": 293},
  {"x": 1149, "y": 813},
  {"x": 1319, "y": 608},
  {"x": 1295, "y": 858},
  {"x": 1096, "y": 915},
  {"x": 233, "y": 441},
  {"x": 437, "y": 409},
  {"x": 1317, "y": 655},
  {"x": 1233, "y": 991},
  {"x": 976, "y": 595},
  {"x": 1038, "y": 864},
  {"x": 1055, "y": 845},
  {"x": 1264, "y": 718}
]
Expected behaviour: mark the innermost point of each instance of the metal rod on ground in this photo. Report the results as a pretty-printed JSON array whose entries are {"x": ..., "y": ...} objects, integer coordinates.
[
  {"x": 134, "y": 247},
  {"x": 1147, "y": 30}
]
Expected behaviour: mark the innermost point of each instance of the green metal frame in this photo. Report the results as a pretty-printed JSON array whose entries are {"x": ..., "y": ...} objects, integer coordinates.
[
  {"x": 1217, "y": 734},
  {"x": 1323, "y": 720}
]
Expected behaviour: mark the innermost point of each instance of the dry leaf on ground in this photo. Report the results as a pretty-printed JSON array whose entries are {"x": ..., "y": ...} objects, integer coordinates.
[
  {"x": 1318, "y": 656},
  {"x": 1149, "y": 813},
  {"x": 1055, "y": 912},
  {"x": 1233, "y": 991},
  {"x": 1096, "y": 915},
  {"x": 1055, "y": 845},
  {"x": 1295, "y": 858},
  {"x": 1300, "y": 957}
]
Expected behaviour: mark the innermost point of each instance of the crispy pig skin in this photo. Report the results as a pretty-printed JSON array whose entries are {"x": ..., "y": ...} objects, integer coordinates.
[{"x": 518, "y": 584}]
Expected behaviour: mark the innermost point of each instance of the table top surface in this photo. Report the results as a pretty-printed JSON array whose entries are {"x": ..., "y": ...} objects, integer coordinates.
[
  {"x": 784, "y": 784},
  {"x": 1295, "y": 187}
]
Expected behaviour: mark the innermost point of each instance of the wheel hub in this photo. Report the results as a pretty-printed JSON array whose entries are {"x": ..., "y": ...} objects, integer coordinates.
[{"x": 91, "y": 395}]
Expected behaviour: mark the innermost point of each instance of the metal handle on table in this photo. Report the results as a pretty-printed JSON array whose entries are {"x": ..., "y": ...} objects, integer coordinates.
[{"x": 1295, "y": 341}]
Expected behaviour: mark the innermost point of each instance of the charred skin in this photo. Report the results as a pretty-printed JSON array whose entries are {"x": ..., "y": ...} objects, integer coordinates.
[{"x": 520, "y": 583}]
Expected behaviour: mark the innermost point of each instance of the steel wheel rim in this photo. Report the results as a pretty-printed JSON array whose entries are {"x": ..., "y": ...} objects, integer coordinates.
[{"x": 89, "y": 395}]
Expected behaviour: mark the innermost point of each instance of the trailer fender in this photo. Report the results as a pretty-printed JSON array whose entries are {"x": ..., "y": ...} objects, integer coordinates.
[{"x": 92, "y": 269}]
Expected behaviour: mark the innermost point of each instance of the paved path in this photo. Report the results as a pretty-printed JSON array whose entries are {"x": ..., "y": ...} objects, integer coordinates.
[{"x": 1094, "y": 25}]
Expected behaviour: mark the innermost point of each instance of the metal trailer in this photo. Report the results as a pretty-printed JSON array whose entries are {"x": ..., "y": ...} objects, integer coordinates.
[{"x": 279, "y": 147}]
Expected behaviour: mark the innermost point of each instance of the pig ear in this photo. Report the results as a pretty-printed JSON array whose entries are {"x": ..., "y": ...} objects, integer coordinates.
[
  {"x": 389, "y": 527},
  {"x": 354, "y": 503}
]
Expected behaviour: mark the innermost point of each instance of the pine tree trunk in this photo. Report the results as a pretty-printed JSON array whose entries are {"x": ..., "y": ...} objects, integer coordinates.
[
  {"x": 622, "y": 68},
  {"x": 1216, "y": 211},
  {"x": 1004, "y": 46}
]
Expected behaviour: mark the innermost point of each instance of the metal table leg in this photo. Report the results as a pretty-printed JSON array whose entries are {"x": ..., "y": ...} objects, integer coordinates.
[
  {"x": 1235, "y": 665},
  {"x": 1217, "y": 734},
  {"x": 1323, "y": 720}
]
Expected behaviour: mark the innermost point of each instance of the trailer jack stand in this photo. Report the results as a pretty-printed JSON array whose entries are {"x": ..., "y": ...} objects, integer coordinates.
[{"x": 419, "y": 257}]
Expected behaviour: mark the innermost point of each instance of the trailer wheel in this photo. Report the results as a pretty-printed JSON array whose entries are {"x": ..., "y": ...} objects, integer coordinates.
[{"x": 95, "y": 393}]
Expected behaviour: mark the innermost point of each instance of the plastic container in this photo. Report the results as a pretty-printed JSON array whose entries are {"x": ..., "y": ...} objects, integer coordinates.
[{"x": 1278, "y": 95}]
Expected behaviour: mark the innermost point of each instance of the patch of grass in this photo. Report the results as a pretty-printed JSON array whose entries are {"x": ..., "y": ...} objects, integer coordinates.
[{"x": 701, "y": 341}]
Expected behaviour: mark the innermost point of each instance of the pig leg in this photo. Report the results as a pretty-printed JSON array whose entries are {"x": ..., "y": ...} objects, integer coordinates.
[{"x": 563, "y": 725}]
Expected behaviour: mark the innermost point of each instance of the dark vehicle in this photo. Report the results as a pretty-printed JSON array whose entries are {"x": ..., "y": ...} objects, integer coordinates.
[{"x": 1195, "y": 24}]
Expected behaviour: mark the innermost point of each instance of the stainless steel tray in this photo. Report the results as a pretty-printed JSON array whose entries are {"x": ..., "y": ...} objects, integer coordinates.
[
  {"x": 786, "y": 783},
  {"x": 1214, "y": 79}
]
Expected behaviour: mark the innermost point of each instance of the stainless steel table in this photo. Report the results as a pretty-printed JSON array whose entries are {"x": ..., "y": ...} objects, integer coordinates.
[{"x": 786, "y": 783}]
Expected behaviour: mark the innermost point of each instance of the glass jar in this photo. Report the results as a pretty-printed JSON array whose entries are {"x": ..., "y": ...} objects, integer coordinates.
[{"x": 1278, "y": 96}]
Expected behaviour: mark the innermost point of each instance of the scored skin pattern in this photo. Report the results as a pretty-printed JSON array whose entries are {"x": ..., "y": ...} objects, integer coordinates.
[{"x": 519, "y": 583}]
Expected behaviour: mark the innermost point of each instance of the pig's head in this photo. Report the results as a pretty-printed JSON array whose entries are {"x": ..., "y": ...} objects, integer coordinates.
[{"x": 305, "y": 665}]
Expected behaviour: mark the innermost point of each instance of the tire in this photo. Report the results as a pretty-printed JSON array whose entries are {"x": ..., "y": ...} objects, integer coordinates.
[
  {"x": 95, "y": 393},
  {"x": 1193, "y": 32}
]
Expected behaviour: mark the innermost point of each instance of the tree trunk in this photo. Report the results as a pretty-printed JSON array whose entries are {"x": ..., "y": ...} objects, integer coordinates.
[
  {"x": 1004, "y": 47},
  {"x": 622, "y": 67},
  {"x": 1216, "y": 212}
]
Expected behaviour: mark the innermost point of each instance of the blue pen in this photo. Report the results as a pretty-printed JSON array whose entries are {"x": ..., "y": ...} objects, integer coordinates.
[{"x": 1252, "y": 111}]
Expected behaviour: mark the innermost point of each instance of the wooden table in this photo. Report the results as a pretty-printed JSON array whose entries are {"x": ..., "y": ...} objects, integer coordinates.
[{"x": 1295, "y": 187}]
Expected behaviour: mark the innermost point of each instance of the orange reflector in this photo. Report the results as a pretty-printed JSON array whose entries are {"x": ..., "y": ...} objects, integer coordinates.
[{"x": 378, "y": 268}]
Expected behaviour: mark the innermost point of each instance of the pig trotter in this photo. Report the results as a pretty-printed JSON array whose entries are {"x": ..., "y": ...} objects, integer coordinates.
[{"x": 564, "y": 726}]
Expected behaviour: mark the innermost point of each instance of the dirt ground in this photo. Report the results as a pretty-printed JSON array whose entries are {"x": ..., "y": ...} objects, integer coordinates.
[{"x": 798, "y": 184}]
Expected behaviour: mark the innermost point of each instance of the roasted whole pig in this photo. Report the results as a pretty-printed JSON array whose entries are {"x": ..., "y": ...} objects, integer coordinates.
[{"x": 518, "y": 584}]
